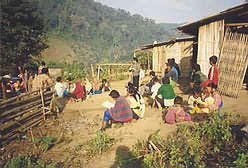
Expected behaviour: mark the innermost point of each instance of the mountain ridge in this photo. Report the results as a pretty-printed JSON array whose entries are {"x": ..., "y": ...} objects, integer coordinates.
[{"x": 98, "y": 33}]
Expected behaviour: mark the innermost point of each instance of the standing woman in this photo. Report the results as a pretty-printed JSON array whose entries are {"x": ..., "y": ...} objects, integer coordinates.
[{"x": 135, "y": 69}]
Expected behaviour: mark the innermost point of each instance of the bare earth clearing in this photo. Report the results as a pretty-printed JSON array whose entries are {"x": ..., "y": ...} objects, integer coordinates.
[{"x": 80, "y": 121}]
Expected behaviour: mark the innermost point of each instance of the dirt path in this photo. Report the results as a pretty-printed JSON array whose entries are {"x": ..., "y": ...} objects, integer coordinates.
[{"x": 81, "y": 120}]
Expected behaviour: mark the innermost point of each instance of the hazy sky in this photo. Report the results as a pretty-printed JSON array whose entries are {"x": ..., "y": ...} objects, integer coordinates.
[{"x": 172, "y": 11}]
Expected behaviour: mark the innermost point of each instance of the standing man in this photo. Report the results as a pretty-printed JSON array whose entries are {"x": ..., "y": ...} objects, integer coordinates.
[{"x": 135, "y": 69}]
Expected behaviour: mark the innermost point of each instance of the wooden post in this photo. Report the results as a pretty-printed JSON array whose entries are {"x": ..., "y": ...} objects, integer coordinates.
[
  {"x": 116, "y": 76},
  {"x": 98, "y": 72},
  {"x": 148, "y": 62},
  {"x": 92, "y": 70},
  {"x": 109, "y": 72},
  {"x": 4, "y": 91},
  {"x": 43, "y": 104}
]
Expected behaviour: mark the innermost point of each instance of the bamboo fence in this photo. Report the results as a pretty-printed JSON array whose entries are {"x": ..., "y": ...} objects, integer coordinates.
[
  {"x": 22, "y": 113},
  {"x": 112, "y": 70},
  {"x": 233, "y": 63}
]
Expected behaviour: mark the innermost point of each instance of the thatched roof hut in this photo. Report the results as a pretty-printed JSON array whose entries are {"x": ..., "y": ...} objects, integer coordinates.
[{"x": 224, "y": 35}]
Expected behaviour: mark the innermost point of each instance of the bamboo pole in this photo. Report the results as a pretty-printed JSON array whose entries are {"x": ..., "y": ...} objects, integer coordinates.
[
  {"x": 98, "y": 72},
  {"x": 92, "y": 71},
  {"x": 3, "y": 91}
]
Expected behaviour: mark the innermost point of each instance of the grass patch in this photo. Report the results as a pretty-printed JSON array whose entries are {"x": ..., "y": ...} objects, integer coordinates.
[
  {"x": 212, "y": 143},
  {"x": 100, "y": 143},
  {"x": 29, "y": 162},
  {"x": 45, "y": 143}
]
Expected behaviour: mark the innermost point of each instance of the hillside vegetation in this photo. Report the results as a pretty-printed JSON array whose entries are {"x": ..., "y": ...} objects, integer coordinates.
[{"x": 97, "y": 33}]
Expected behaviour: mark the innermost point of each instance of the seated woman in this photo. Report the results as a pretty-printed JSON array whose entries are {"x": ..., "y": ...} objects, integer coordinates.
[
  {"x": 79, "y": 91},
  {"x": 165, "y": 94},
  {"x": 121, "y": 112},
  {"x": 136, "y": 102},
  {"x": 105, "y": 87},
  {"x": 176, "y": 112}
]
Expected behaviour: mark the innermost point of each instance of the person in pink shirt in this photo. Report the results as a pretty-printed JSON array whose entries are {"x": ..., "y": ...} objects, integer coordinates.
[
  {"x": 218, "y": 103},
  {"x": 176, "y": 112}
]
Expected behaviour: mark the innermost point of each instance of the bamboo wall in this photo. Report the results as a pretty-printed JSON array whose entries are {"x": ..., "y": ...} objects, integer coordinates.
[
  {"x": 181, "y": 51},
  {"x": 210, "y": 38},
  {"x": 233, "y": 63},
  {"x": 157, "y": 59}
]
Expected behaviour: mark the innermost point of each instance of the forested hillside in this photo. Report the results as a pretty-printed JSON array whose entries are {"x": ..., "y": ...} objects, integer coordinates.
[{"x": 98, "y": 33}]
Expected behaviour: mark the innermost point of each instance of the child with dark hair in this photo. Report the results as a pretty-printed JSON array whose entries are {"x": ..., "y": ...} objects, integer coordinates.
[
  {"x": 197, "y": 77},
  {"x": 213, "y": 74},
  {"x": 105, "y": 86},
  {"x": 120, "y": 112},
  {"x": 173, "y": 62},
  {"x": 59, "y": 87},
  {"x": 148, "y": 83},
  {"x": 18, "y": 85},
  {"x": 172, "y": 74},
  {"x": 194, "y": 100},
  {"x": 165, "y": 94},
  {"x": 218, "y": 103},
  {"x": 136, "y": 102},
  {"x": 176, "y": 112},
  {"x": 43, "y": 65},
  {"x": 155, "y": 87},
  {"x": 79, "y": 91}
]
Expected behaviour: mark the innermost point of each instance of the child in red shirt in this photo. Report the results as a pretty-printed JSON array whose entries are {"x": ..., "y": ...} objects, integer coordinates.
[{"x": 213, "y": 74}]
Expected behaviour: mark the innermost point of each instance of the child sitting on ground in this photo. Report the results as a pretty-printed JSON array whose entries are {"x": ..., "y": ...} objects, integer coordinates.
[
  {"x": 105, "y": 86},
  {"x": 176, "y": 112},
  {"x": 95, "y": 88},
  {"x": 194, "y": 100},
  {"x": 79, "y": 91},
  {"x": 218, "y": 103},
  {"x": 136, "y": 102},
  {"x": 207, "y": 100}
]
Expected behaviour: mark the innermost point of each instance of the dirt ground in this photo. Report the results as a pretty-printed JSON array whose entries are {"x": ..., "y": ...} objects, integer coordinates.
[{"x": 79, "y": 122}]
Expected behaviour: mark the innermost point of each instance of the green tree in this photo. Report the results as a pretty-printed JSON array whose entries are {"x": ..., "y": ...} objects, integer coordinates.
[{"x": 22, "y": 33}]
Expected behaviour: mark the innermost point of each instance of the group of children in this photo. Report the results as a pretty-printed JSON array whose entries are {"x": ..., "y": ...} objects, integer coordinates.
[
  {"x": 79, "y": 90},
  {"x": 204, "y": 99}
]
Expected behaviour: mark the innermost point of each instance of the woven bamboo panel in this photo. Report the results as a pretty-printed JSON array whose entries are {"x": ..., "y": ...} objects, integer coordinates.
[
  {"x": 210, "y": 39},
  {"x": 233, "y": 63}
]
